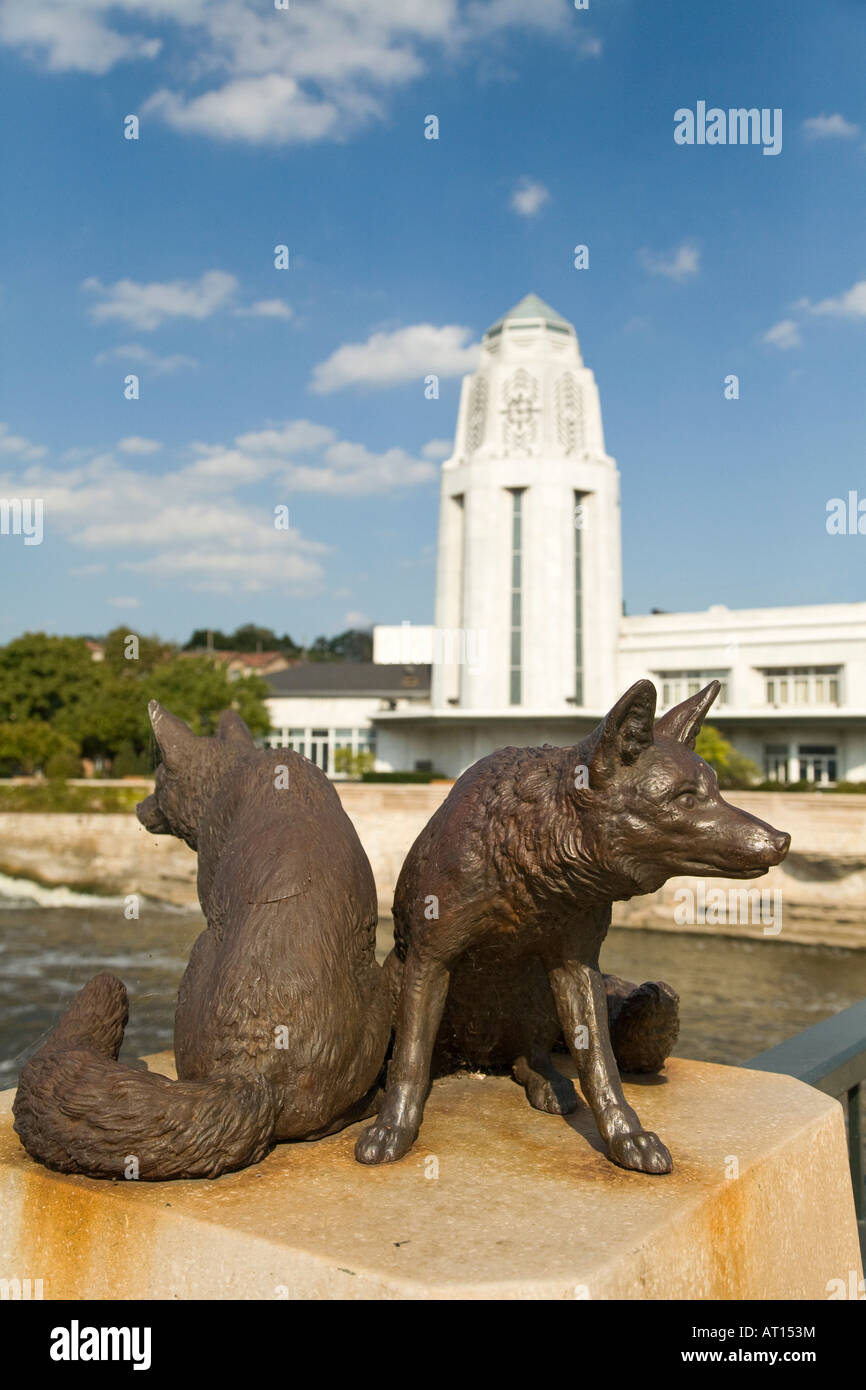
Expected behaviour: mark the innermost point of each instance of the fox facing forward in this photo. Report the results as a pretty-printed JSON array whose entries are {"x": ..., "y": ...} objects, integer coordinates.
[
  {"x": 503, "y": 904},
  {"x": 283, "y": 1016}
]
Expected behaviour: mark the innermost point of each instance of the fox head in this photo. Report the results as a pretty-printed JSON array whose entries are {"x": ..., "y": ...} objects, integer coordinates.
[
  {"x": 190, "y": 773},
  {"x": 653, "y": 807}
]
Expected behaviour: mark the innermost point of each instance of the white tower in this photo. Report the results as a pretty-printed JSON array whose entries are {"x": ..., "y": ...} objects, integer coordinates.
[{"x": 528, "y": 565}]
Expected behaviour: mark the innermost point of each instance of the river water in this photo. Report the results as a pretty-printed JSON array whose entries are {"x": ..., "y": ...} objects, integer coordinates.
[{"x": 738, "y": 996}]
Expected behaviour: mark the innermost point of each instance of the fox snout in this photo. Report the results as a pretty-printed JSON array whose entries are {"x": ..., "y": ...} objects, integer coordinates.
[
  {"x": 736, "y": 844},
  {"x": 763, "y": 844},
  {"x": 779, "y": 844},
  {"x": 149, "y": 813}
]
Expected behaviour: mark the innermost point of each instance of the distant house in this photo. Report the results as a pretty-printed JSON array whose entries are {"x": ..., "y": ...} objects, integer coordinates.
[
  {"x": 317, "y": 707},
  {"x": 245, "y": 663},
  {"x": 96, "y": 649}
]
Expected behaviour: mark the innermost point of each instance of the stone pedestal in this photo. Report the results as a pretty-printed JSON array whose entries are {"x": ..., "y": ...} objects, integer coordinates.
[{"x": 495, "y": 1201}]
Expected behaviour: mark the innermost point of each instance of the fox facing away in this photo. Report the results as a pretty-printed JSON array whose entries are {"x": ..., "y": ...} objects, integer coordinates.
[
  {"x": 283, "y": 1016},
  {"x": 504, "y": 900}
]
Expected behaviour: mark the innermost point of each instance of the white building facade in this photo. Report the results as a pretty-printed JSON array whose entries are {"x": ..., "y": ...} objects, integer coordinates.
[{"x": 530, "y": 644}]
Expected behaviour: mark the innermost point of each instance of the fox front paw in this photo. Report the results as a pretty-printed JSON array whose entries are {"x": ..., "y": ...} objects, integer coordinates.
[
  {"x": 643, "y": 1151},
  {"x": 383, "y": 1143}
]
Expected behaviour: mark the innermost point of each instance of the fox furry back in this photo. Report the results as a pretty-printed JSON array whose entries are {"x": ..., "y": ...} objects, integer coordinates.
[{"x": 283, "y": 1016}]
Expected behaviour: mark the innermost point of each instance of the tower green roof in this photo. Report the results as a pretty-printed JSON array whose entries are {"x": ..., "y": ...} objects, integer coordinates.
[{"x": 531, "y": 307}]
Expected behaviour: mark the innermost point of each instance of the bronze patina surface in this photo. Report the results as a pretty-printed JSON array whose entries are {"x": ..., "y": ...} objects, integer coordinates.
[
  {"x": 503, "y": 904},
  {"x": 283, "y": 1015}
]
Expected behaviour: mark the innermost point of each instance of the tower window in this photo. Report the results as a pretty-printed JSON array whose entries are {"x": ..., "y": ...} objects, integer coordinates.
[
  {"x": 515, "y": 694},
  {"x": 579, "y": 519}
]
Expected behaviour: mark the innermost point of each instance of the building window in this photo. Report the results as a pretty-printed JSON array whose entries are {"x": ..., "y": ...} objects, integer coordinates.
[
  {"x": 515, "y": 694},
  {"x": 809, "y": 762},
  {"x": 817, "y": 762},
  {"x": 579, "y": 517},
  {"x": 295, "y": 739},
  {"x": 803, "y": 685},
  {"x": 675, "y": 686},
  {"x": 321, "y": 745},
  {"x": 776, "y": 762},
  {"x": 365, "y": 741}
]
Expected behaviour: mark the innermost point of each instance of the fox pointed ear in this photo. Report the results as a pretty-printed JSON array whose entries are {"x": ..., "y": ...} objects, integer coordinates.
[
  {"x": 624, "y": 733},
  {"x": 176, "y": 740},
  {"x": 232, "y": 728},
  {"x": 684, "y": 721}
]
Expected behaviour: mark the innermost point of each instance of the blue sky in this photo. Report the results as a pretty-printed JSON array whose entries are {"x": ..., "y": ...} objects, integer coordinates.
[{"x": 304, "y": 387}]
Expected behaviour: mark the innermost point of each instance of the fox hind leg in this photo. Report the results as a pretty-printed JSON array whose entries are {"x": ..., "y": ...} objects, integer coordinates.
[
  {"x": 581, "y": 1002},
  {"x": 546, "y": 1088},
  {"x": 644, "y": 1023}
]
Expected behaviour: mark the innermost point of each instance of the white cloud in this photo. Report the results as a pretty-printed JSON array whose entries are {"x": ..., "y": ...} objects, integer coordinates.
[
  {"x": 351, "y": 469},
  {"x": 297, "y": 436},
  {"x": 135, "y": 444},
  {"x": 590, "y": 47},
  {"x": 310, "y": 72},
  {"x": 134, "y": 352},
  {"x": 146, "y": 306},
  {"x": 679, "y": 264},
  {"x": 357, "y": 620},
  {"x": 71, "y": 38},
  {"x": 125, "y": 602},
  {"x": 208, "y": 569},
  {"x": 191, "y": 521},
  {"x": 437, "y": 449},
  {"x": 406, "y": 354},
  {"x": 529, "y": 197},
  {"x": 259, "y": 110},
  {"x": 230, "y": 465},
  {"x": 18, "y": 446},
  {"x": 850, "y": 305},
  {"x": 266, "y": 309},
  {"x": 784, "y": 335},
  {"x": 483, "y": 17},
  {"x": 833, "y": 127}
]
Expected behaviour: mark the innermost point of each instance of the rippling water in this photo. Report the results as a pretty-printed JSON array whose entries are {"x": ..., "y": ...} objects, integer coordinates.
[{"x": 738, "y": 997}]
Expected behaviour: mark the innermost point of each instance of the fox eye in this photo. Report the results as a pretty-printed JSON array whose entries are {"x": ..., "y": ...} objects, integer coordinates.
[{"x": 686, "y": 799}]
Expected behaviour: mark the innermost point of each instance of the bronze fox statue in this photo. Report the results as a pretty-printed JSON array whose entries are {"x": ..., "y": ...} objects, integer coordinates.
[
  {"x": 504, "y": 901},
  {"x": 283, "y": 1016}
]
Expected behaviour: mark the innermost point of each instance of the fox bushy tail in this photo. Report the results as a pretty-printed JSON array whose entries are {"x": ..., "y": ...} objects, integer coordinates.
[{"x": 79, "y": 1110}]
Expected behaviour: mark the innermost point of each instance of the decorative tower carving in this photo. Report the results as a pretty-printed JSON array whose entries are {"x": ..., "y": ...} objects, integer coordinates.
[{"x": 528, "y": 597}]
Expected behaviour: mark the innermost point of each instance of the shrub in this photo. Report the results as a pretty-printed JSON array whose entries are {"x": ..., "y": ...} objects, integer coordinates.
[
  {"x": 733, "y": 769},
  {"x": 63, "y": 764},
  {"x": 421, "y": 777}
]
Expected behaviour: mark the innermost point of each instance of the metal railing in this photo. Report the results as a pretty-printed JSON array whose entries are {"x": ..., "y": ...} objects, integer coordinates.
[{"x": 831, "y": 1056}]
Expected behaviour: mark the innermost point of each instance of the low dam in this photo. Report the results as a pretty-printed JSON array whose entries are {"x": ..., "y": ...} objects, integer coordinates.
[{"x": 817, "y": 896}]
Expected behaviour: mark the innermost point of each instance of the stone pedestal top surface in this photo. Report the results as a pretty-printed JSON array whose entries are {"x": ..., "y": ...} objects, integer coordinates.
[{"x": 495, "y": 1201}]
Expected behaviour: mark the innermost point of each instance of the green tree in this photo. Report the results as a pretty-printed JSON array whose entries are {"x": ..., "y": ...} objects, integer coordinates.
[
  {"x": 733, "y": 769},
  {"x": 203, "y": 637},
  {"x": 50, "y": 689},
  {"x": 52, "y": 679},
  {"x": 354, "y": 764},
  {"x": 246, "y": 638},
  {"x": 29, "y": 745},
  {"x": 352, "y": 645}
]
